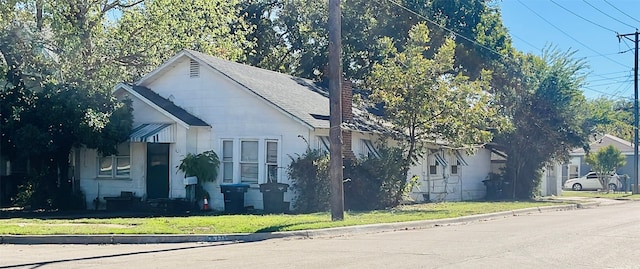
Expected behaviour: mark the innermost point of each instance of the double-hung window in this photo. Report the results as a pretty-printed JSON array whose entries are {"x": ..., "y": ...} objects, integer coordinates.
[
  {"x": 271, "y": 161},
  {"x": 116, "y": 166},
  {"x": 249, "y": 162},
  {"x": 227, "y": 161}
]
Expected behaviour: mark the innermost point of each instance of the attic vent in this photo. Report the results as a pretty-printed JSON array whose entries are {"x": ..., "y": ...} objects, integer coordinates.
[{"x": 194, "y": 69}]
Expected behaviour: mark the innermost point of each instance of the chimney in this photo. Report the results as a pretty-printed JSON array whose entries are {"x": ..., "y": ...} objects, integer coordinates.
[
  {"x": 347, "y": 117},
  {"x": 347, "y": 101}
]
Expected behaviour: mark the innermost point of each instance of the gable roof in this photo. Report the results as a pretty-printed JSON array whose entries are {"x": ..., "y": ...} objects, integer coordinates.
[
  {"x": 605, "y": 141},
  {"x": 299, "y": 98},
  {"x": 163, "y": 105}
]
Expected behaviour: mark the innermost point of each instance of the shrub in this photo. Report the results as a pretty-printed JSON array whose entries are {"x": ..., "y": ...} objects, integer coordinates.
[
  {"x": 309, "y": 174},
  {"x": 374, "y": 182}
]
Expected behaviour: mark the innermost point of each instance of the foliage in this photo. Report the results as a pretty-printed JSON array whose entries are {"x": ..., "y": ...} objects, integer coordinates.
[
  {"x": 291, "y": 36},
  {"x": 42, "y": 127},
  {"x": 146, "y": 35},
  {"x": 543, "y": 101},
  {"x": 375, "y": 182},
  {"x": 203, "y": 165},
  {"x": 426, "y": 101},
  {"x": 309, "y": 174},
  {"x": 605, "y": 162},
  {"x": 608, "y": 116}
]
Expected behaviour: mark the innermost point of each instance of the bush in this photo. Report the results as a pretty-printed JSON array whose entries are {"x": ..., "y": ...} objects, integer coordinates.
[
  {"x": 309, "y": 174},
  {"x": 375, "y": 182},
  {"x": 372, "y": 182}
]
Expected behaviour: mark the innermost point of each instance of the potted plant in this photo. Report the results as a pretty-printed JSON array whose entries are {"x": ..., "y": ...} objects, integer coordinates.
[{"x": 204, "y": 166}]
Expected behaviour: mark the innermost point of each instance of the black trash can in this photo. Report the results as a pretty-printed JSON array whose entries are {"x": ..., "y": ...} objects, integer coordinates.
[
  {"x": 234, "y": 197},
  {"x": 273, "y": 197},
  {"x": 492, "y": 189}
]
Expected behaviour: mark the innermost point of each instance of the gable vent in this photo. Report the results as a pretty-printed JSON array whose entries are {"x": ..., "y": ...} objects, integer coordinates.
[{"x": 194, "y": 69}]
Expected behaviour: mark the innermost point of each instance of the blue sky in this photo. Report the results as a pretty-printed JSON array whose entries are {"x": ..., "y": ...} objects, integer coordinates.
[{"x": 587, "y": 26}]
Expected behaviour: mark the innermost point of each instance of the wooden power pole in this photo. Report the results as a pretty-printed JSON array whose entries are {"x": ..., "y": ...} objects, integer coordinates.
[
  {"x": 635, "y": 181},
  {"x": 335, "y": 110}
]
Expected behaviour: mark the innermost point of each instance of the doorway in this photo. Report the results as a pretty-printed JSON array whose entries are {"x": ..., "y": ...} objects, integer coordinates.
[{"x": 157, "y": 170}]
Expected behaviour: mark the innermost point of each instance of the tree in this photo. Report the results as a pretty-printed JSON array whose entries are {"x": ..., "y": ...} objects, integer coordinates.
[
  {"x": 543, "y": 101},
  {"x": 609, "y": 116},
  {"x": 424, "y": 100},
  {"x": 605, "y": 162}
]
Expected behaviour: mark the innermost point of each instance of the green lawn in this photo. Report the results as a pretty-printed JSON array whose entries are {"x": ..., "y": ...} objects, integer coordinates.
[
  {"x": 225, "y": 224},
  {"x": 596, "y": 194}
]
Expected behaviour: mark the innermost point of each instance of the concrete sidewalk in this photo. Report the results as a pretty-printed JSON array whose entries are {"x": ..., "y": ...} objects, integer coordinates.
[{"x": 250, "y": 237}]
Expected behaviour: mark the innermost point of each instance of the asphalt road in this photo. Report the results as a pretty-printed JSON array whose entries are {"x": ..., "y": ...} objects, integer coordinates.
[{"x": 600, "y": 237}]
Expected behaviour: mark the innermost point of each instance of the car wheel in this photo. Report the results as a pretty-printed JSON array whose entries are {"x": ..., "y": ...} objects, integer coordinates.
[
  {"x": 612, "y": 187},
  {"x": 576, "y": 187}
]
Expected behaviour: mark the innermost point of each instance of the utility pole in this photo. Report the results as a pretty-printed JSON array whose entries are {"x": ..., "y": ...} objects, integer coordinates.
[
  {"x": 635, "y": 111},
  {"x": 335, "y": 110}
]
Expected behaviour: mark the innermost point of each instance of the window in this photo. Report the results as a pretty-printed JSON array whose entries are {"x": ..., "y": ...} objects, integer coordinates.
[
  {"x": 433, "y": 169},
  {"x": 369, "y": 150},
  {"x": 227, "y": 161},
  {"x": 272, "y": 161},
  {"x": 323, "y": 143},
  {"x": 249, "y": 161},
  {"x": 116, "y": 166},
  {"x": 454, "y": 168}
]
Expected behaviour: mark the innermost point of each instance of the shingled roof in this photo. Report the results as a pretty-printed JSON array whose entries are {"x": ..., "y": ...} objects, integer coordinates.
[
  {"x": 607, "y": 140},
  {"x": 169, "y": 107}
]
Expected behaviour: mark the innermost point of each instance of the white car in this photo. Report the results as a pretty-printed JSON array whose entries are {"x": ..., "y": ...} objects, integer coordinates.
[{"x": 590, "y": 181}]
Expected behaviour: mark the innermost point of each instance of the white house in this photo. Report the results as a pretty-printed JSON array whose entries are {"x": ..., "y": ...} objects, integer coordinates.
[{"x": 254, "y": 119}]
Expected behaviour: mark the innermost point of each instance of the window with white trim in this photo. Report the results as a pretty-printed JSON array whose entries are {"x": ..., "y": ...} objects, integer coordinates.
[
  {"x": 271, "y": 161},
  {"x": 116, "y": 166},
  {"x": 433, "y": 166},
  {"x": 369, "y": 149},
  {"x": 227, "y": 161},
  {"x": 249, "y": 162},
  {"x": 454, "y": 167}
]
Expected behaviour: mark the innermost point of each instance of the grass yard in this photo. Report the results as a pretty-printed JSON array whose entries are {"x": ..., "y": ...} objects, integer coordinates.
[{"x": 226, "y": 224}]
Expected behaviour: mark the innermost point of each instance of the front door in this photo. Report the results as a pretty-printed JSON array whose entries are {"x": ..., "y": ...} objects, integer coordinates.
[{"x": 157, "y": 170}]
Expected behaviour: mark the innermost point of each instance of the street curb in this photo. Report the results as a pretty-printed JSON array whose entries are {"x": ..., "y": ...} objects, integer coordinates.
[{"x": 252, "y": 237}]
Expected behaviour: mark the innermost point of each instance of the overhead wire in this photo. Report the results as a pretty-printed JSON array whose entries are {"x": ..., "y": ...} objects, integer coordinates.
[
  {"x": 621, "y": 11},
  {"x": 578, "y": 15},
  {"x": 566, "y": 34},
  {"x": 614, "y": 18}
]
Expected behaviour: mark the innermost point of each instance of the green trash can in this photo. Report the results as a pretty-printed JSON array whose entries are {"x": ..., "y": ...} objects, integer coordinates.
[
  {"x": 234, "y": 197},
  {"x": 273, "y": 197}
]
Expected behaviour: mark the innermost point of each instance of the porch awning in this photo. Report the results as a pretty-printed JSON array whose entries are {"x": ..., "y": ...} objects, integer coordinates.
[{"x": 153, "y": 133}]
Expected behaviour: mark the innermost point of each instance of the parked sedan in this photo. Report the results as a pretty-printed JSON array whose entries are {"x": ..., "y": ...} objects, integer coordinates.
[{"x": 590, "y": 182}]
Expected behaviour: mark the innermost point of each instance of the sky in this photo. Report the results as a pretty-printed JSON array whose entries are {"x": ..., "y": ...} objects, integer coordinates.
[{"x": 590, "y": 27}]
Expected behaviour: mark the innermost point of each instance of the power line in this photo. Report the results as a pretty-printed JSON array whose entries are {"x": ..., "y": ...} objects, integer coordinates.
[
  {"x": 614, "y": 18},
  {"x": 565, "y": 33},
  {"x": 621, "y": 11},
  {"x": 447, "y": 29},
  {"x": 577, "y": 15}
]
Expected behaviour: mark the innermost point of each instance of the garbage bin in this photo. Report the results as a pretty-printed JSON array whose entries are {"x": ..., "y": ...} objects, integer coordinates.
[
  {"x": 234, "y": 197},
  {"x": 273, "y": 197},
  {"x": 492, "y": 189}
]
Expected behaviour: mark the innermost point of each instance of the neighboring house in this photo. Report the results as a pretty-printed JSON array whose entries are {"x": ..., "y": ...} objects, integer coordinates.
[
  {"x": 577, "y": 167},
  {"x": 254, "y": 119}
]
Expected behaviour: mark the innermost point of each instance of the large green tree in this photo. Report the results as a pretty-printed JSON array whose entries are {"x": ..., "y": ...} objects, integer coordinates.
[
  {"x": 427, "y": 101},
  {"x": 543, "y": 100}
]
